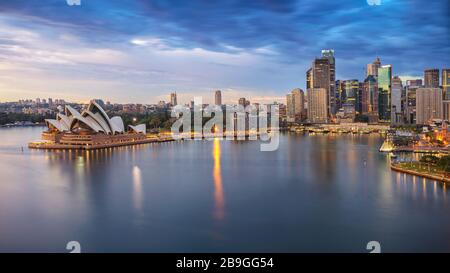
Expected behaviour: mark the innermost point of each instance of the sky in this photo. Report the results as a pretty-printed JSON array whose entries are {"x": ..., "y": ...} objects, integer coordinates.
[{"x": 138, "y": 51}]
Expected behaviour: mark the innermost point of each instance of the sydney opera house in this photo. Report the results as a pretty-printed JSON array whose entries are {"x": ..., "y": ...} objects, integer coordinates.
[{"x": 90, "y": 129}]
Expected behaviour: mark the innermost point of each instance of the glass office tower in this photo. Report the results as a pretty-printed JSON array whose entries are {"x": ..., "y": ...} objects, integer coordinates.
[{"x": 384, "y": 92}]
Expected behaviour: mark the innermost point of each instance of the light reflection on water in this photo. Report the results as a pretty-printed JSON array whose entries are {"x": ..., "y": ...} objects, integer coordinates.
[
  {"x": 316, "y": 193},
  {"x": 219, "y": 212}
]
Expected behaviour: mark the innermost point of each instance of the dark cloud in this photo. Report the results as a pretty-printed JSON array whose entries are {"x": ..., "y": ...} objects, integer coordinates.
[{"x": 410, "y": 34}]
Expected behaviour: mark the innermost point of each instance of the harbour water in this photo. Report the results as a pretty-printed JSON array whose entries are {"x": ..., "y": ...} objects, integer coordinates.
[{"x": 317, "y": 193}]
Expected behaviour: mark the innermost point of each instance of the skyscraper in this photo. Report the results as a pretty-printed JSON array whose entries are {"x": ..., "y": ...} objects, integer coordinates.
[
  {"x": 218, "y": 97},
  {"x": 372, "y": 69},
  {"x": 309, "y": 79},
  {"x": 431, "y": 78},
  {"x": 428, "y": 104},
  {"x": 384, "y": 92},
  {"x": 370, "y": 96},
  {"x": 320, "y": 78},
  {"x": 173, "y": 99},
  {"x": 317, "y": 105},
  {"x": 410, "y": 101},
  {"x": 329, "y": 54},
  {"x": 396, "y": 100}
]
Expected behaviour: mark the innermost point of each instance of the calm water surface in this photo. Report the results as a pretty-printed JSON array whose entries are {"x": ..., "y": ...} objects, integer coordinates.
[{"x": 315, "y": 193}]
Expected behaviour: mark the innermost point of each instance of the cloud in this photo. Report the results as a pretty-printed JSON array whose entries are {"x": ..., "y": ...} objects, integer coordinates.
[{"x": 148, "y": 48}]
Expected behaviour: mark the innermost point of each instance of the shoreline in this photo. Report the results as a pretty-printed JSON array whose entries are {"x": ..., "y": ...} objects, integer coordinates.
[
  {"x": 397, "y": 168},
  {"x": 57, "y": 146}
]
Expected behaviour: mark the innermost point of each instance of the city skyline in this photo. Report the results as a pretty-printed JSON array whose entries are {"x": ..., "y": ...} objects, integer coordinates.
[{"x": 137, "y": 51}]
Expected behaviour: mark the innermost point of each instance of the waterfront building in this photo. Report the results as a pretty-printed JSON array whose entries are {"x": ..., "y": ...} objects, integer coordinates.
[
  {"x": 431, "y": 78},
  {"x": 396, "y": 101},
  {"x": 428, "y": 105},
  {"x": 370, "y": 96},
  {"x": 295, "y": 102},
  {"x": 317, "y": 105},
  {"x": 92, "y": 128},
  {"x": 372, "y": 69},
  {"x": 173, "y": 99},
  {"x": 384, "y": 92},
  {"x": 218, "y": 97},
  {"x": 329, "y": 54}
]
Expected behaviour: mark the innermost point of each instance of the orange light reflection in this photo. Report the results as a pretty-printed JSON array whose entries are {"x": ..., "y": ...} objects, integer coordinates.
[{"x": 219, "y": 211}]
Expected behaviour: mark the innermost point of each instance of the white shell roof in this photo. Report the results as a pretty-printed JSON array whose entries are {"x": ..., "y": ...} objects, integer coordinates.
[
  {"x": 94, "y": 117},
  {"x": 141, "y": 128}
]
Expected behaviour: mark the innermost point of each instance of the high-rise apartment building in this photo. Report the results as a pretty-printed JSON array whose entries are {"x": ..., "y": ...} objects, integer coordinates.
[
  {"x": 317, "y": 105},
  {"x": 295, "y": 102},
  {"x": 290, "y": 108},
  {"x": 384, "y": 92},
  {"x": 428, "y": 105},
  {"x": 299, "y": 101}
]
